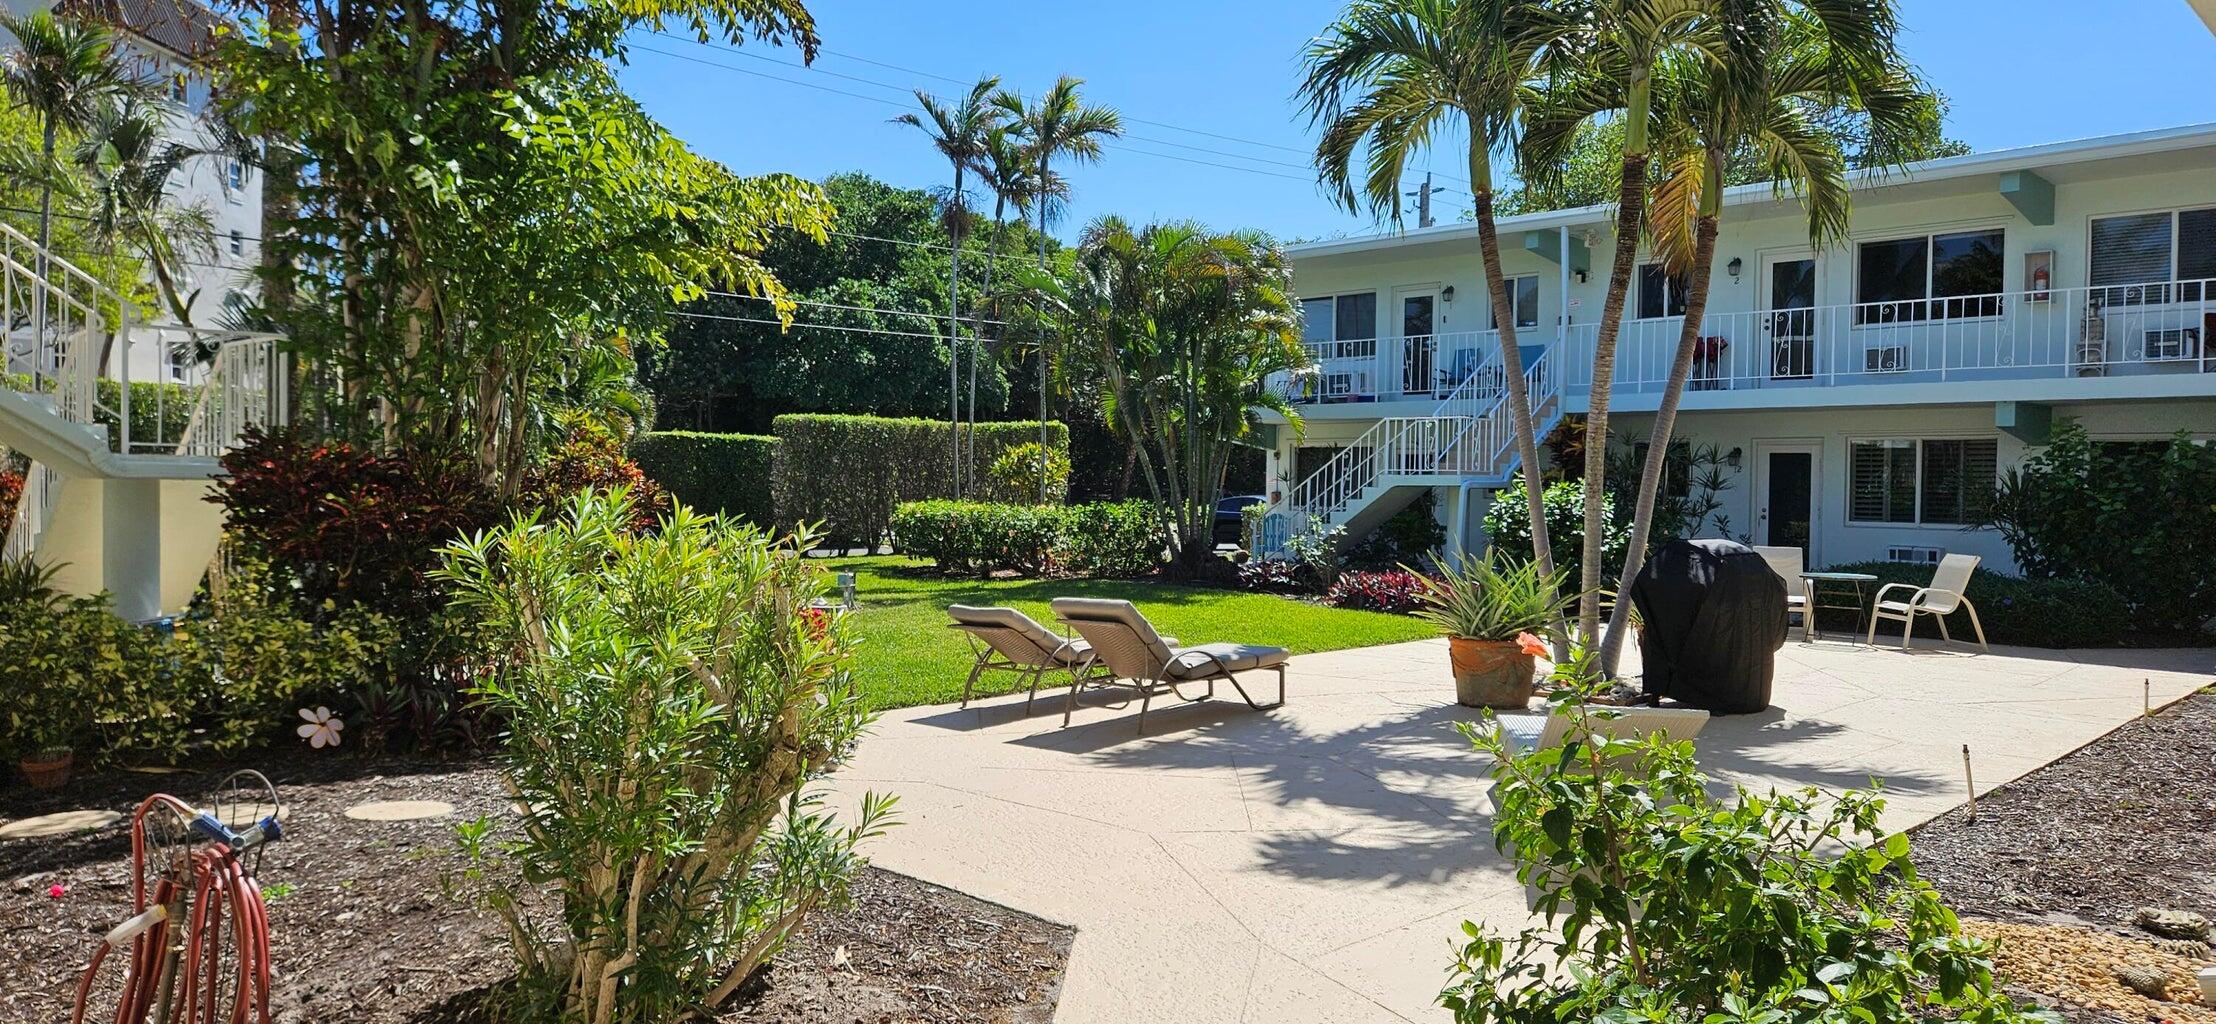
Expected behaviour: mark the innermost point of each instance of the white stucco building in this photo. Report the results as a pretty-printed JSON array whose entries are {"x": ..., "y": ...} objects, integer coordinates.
[{"x": 1866, "y": 394}]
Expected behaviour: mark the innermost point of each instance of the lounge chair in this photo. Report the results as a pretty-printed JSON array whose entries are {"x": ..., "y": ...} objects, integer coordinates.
[
  {"x": 1788, "y": 564},
  {"x": 1007, "y": 640},
  {"x": 1127, "y": 644},
  {"x": 1949, "y": 583}
]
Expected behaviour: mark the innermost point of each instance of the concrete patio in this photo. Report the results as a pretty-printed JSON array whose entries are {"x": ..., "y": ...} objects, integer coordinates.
[{"x": 1315, "y": 862}]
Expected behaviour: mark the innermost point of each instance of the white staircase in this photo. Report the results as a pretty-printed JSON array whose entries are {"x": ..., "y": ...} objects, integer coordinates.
[
  {"x": 1468, "y": 439},
  {"x": 115, "y": 493}
]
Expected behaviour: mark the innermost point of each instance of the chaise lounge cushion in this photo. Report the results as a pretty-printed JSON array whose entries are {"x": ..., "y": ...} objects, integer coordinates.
[{"x": 1203, "y": 660}]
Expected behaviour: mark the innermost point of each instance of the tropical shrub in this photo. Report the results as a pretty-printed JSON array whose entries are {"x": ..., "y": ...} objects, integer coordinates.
[
  {"x": 727, "y": 473},
  {"x": 2138, "y": 517},
  {"x": 591, "y": 458},
  {"x": 1489, "y": 598},
  {"x": 1508, "y": 527},
  {"x": 59, "y": 656},
  {"x": 1014, "y": 476},
  {"x": 1408, "y": 535},
  {"x": 846, "y": 474},
  {"x": 1659, "y": 901},
  {"x": 978, "y": 536},
  {"x": 1111, "y": 539},
  {"x": 669, "y": 697},
  {"x": 2014, "y": 609},
  {"x": 11, "y": 494},
  {"x": 1276, "y": 576},
  {"x": 1398, "y": 591},
  {"x": 1250, "y": 524}
]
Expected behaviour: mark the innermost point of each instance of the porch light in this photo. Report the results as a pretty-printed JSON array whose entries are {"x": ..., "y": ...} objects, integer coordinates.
[
  {"x": 1733, "y": 268},
  {"x": 1446, "y": 294},
  {"x": 1732, "y": 457}
]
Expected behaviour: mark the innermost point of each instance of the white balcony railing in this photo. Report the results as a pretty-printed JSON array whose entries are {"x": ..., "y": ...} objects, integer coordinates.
[
  {"x": 1389, "y": 369},
  {"x": 2062, "y": 332}
]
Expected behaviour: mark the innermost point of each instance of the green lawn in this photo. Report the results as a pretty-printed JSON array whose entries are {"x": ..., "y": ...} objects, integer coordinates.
[{"x": 909, "y": 657}]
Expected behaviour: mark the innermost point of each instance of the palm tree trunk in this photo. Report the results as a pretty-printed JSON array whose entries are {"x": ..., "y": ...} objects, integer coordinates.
[
  {"x": 45, "y": 244},
  {"x": 992, "y": 262},
  {"x": 1520, "y": 418},
  {"x": 1665, "y": 421},
  {"x": 954, "y": 230},
  {"x": 1043, "y": 184},
  {"x": 1630, "y": 218}
]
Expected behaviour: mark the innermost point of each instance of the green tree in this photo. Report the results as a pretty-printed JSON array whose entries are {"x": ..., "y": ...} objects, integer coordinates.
[
  {"x": 1058, "y": 126},
  {"x": 1185, "y": 326},
  {"x": 1390, "y": 76},
  {"x": 128, "y": 164},
  {"x": 68, "y": 72}
]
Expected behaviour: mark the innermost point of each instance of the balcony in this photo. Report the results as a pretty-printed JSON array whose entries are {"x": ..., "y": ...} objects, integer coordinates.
[{"x": 1416, "y": 368}]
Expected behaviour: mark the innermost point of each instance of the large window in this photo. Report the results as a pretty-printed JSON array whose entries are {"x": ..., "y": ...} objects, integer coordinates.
[
  {"x": 1340, "y": 326},
  {"x": 1903, "y": 480},
  {"x": 1929, "y": 277},
  {"x": 1523, "y": 297},
  {"x": 2143, "y": 258},
  {"x": 1660, "y": 294}
]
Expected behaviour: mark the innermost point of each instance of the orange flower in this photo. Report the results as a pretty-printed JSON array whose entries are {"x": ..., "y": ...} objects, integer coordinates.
[{"x": 1531, "y": 645}]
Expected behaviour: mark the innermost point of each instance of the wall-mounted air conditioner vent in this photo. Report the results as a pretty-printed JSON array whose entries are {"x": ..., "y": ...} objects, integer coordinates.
[
  {"x": 1915, "y": 556},
  {"x": 1885, "y": 358},
  {"x": 2174, "y": 343}
]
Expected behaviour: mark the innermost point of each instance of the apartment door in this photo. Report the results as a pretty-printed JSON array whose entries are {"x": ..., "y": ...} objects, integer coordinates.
[
  {"x": 1787, "y": 486},
  {"x": 1789, "y": 314},
  {"x": 1419, "y": 339}
]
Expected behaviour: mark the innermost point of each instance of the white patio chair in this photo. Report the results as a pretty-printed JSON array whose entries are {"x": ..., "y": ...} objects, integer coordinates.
[
  {"x": 1949, "y": 583},
  {"x": 1788, "y": 564},
  {"x": 1124, "y": 641}
]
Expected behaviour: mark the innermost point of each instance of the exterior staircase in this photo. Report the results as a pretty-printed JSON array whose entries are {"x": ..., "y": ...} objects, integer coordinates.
[
  {"x": 123, "y": 423},
  {"x": 1469, "y": 439}
]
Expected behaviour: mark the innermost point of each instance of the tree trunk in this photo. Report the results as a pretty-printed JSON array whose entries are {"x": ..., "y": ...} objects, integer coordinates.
[
  {"x": 977, "y": 332},
  {"x": 954, "y": 231},
  {"x": 1665, "y": 421},
  {"x": 1041, "y": 327},
  {"x": 1630, "y": 217}
]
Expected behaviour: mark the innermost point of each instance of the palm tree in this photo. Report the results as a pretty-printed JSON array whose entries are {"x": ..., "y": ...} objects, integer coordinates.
[
  {"x": 1059, "y": 125},
  {"x": 1613, "y": 47},
  {"x": 959, "y": 133},
  {"x": 1007, "y": 172},
  {"x": 128, "y": 161},
  {"x": 1385, "y": 80},
  {"x": 1765, "y": 104}
]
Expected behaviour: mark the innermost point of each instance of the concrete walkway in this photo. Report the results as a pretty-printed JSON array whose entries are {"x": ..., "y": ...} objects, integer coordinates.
[{"x": 1315, "y": 862}]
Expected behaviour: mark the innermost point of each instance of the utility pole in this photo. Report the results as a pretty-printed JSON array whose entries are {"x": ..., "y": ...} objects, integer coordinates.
[{"x": 1423, "y": 202}]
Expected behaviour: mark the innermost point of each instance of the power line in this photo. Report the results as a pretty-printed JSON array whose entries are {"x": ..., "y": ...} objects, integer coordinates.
[
  {"x": 861, "y": 309},
  {"x": 812, "y": 326}
]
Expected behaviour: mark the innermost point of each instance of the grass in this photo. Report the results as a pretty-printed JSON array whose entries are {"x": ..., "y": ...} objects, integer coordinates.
[{"x": 908, "y": 656}]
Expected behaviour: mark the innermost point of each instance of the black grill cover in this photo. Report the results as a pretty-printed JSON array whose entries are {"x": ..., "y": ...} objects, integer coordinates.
[{"x": 1715, "y": 617}]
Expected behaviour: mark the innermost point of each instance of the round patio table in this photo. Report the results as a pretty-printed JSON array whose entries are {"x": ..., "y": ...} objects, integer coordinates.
[{"x": 1841, "y": 585}]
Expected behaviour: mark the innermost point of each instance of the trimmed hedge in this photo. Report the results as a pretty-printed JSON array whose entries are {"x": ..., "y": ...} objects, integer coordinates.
[
  {"x": 159, "y": 410},
  {"x": 849, "y": 472},
  {"x": 2015, "y": 610},
  {"x": 727, "y": 473},
  {"x": 1105, "y": 539}
]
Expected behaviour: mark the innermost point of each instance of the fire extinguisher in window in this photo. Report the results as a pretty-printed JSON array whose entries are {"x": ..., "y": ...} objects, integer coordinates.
[{"x": 2039, "y": 285}]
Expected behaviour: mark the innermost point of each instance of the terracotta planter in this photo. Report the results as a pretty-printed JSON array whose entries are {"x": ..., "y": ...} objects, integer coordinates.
[
  {"x": 1491, "y": 673},
  {"x": 49, "y": 770}
]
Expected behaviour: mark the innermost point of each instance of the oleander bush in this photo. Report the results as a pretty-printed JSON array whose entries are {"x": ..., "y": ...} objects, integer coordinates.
[
  {"x": 846, "y": 474},
  {"x": 1108, "y": 539},
  {"x": 1660, "y": 901},
  {"x": 2014, "y": 609},
  {"x": 1393, "y": 590},
  {"x": 670, "y": 695},
  {"x": 727, "y": 473}
]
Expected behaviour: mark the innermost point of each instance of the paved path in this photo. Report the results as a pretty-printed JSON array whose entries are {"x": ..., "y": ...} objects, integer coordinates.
[{"x": 1314, "y": 863}]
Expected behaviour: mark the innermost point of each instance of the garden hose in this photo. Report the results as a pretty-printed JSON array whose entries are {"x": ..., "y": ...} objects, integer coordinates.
[{"x": 199, "y": 933}]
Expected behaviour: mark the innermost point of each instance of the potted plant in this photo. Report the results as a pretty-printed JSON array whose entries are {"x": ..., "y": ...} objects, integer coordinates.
[
  {"x": 46, "y": 662},
  {"x": 1481, "y": 606}
]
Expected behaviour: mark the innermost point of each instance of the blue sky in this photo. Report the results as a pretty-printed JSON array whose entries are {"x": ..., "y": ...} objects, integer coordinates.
[{"x": 1211, "y": 82}]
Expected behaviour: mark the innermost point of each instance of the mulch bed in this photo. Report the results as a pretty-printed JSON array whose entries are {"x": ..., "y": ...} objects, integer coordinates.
[
  {"x": 2129, "y": 821},
  {"x": 367, "y": 929}
]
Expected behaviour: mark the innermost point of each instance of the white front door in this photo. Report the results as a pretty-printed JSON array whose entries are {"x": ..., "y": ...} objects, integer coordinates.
[
  {"x": 1788, "y": 496},
  {"x": 1788, "y": 290}
]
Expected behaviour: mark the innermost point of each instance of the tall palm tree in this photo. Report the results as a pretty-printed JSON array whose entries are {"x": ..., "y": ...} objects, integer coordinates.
[
  {"x": 1613, "y": 46},
  {"x": 1006, "y": 170},
  {"x": 959, "y": 133},
  {"x": 1762, "y": 105},
  {"x": 1058, "y": 126},
  {"x": 129, "y": 163},
  {"x": 1392, "y": 75}
]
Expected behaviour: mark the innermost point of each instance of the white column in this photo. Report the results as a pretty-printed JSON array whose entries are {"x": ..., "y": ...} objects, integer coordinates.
[{"x": 131, "y": 546}]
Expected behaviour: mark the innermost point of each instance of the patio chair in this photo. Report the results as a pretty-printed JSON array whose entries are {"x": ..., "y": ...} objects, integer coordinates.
[
  {"x": 1127, "y": 644},
  {"x": 1007, "y": 640},
  {"x": 1788, "y": 564},
  {"x": 1949, "y": 583}
]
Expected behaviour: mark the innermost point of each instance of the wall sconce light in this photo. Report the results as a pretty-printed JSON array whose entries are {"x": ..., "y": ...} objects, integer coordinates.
[
  {"x": 1733, "y": 456},
  {"x": 1446, "y": 294},
  {"x": 1734, "y": 267}
]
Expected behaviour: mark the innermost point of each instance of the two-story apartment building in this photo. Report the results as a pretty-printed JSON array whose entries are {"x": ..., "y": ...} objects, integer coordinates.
[{"x": 1866, "y": 396}]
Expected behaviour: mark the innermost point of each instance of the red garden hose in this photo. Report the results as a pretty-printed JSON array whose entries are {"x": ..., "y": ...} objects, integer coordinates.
[{"x": 198, "y": 934}]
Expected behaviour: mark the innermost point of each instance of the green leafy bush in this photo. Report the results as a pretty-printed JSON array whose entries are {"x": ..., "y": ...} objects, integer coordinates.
[
  {"x": 1111, "y": 539},
  {"x": 1508, "y": 527},
  {"x": 727, "y": 473},
  {"x": 1660, "y": 902},
  {"x": 847, "y": 473},
  {"x": 1491, "y": 598},
  {"x": 978, "y": 536},
  {"x": 1014, "y": 476},
  {"x": 1409, "y": 535},
  {"x": 669, "y": 696},
  {"x": 2139, "y": 517},
  {"x": 1250, "y": 523},
  {"x": 60, "y": 657},
  {"x": 2014, "y": 609}
]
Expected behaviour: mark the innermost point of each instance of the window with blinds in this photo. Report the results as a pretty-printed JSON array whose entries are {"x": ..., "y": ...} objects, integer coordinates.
[
  {"x": 2141, "y": 258},
  {"x": 1340, "y": 326},
  {"x": 1937, "y": 482}
]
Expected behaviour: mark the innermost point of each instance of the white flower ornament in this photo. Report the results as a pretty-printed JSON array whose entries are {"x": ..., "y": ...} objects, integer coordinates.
[{"x": 322, "y": 729}]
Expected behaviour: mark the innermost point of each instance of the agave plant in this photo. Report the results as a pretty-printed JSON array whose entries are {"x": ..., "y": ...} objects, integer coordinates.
[{"x": 1485, "y": 599}]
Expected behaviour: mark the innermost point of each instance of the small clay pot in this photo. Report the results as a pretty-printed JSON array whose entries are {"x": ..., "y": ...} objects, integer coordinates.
[
  {"x": 1491, "y": 673},
  {"x": 49, "y": 770}
]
